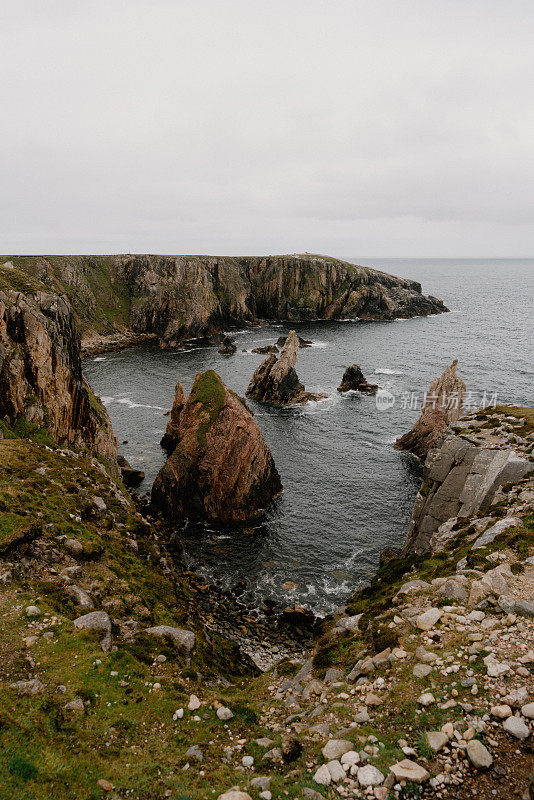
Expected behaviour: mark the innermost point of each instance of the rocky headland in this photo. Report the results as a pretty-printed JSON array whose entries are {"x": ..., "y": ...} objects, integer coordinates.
[
  {"x": 120, "y": 672},
  {"x": 220, "y": 467},
  {"x": 126, "y": 298},
  {"x": 276, "y": 381}
]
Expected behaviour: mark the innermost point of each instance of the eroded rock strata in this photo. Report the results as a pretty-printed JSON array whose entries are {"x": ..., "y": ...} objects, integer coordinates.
[
  {"x": 443, "y": 405},
  {"x": 276, "y": 382},
  {"x": 464, "y": 473},
  {"x": 173, "y": 297},
  {"x": 170, "y": 437},
  {"x": 220, "y": 468},
  {"x": 41, "y": 383}
]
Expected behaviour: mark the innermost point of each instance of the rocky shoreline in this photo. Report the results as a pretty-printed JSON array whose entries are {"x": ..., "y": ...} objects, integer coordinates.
[{"x": 153, "y": 683}]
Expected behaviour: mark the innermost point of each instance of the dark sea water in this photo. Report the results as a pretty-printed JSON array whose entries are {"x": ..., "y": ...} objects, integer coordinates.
[{"x": 347, "y": 492}]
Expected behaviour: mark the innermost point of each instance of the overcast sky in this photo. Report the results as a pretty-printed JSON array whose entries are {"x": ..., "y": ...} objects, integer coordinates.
[{"x": 354, "y": 128}]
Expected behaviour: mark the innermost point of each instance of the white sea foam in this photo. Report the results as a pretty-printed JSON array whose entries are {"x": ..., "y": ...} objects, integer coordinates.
[
  {"x": 107, "y": 400},
  {"x": 388, "y": 372},
  {"x": 100, "y": 358},
  {"x": 321, "y": 345},
  {"x": 125, "y": 401}
]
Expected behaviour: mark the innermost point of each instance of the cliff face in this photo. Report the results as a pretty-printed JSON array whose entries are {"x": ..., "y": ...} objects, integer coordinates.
[
  {"x": 41, "y": 383},
  {"x": 220, "y": 468},
  {"x": 443, "y": 405},
  {"x": 465, "y": 472},
  {"x": 174, "y": 297}
]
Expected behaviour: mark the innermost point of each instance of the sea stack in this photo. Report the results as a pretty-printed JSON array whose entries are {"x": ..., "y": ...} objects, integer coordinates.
[
  {"x": 276, "y": 381},
  {"x": 170, "y": 437},
  {"x": 221, "y": 468},
  {"x": 442, "y": 407},
  {"x": 353, "y": 380},
  {"x": 227, "y": 346}
]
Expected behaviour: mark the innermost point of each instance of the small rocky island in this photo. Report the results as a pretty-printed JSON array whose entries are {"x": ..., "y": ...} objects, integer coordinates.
[
  {"x": 276, "y": 381},
  {"x": 220, "y": 467},
  {"x": 353, "y": 380}
]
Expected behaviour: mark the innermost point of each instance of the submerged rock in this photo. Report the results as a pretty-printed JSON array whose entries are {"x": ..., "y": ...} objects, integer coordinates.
[
  {"x": 221, "y": 468},
  {"x": 442, "y": 407},
  {"x": 353, "y": 380},
  {"x": 170, "y": 437},
  {"x": 276, "y": 381}
]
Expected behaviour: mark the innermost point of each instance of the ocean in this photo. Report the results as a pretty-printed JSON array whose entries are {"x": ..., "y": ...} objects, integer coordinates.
[{"x": 347, "y": 492}]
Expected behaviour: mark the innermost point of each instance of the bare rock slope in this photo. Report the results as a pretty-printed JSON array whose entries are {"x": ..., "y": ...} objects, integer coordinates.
[{"x": 221, "y": 468}]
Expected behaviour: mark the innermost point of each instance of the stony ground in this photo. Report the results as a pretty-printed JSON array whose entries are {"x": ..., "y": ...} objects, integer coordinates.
[{"x": 422, "y": 687}]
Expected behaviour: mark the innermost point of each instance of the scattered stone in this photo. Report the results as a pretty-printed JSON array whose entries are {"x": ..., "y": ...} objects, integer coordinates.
[
  {"x": 426, "y": 699},
  {"x": 184, "y": 639},
  {"x": 224, "y": 713},
  {"x": 32, "y": 686},
  {"x": 33, "y": 611},
  {"x": 516, "y": 727},
  {"x": 479, "y": 756},
  {"x": 437, "y": 740},
  {"x": 99, "y": 621},
  {"x": 194, "y": 752},
  {"x": 429, "y": 618},
  {"x": 194, "y": 703},
  {"x": 370, "y": 776},
  {"x": 322, "y": 776},
  {"x": 422, "y": 670},
  {"x": 335, "y": 748},
  {"x": 337, "y": 773},
  {"x": 407, "y": 770},
  {"x": 75, "y": 705},
  {"x": 81, "y": 597},
  {"x": 528, "y": 710},
  {"x": 501, "y": 712}
]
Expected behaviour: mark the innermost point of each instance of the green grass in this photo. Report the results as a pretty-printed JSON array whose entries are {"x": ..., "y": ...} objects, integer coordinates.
[{"x": 208, "y": 390}]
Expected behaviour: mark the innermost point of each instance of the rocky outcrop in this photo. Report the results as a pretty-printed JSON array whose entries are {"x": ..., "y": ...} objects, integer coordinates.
[
  {"x": 41, "y": 382},
  {"x": 463, "y": 476},
  {"x": 276, "y": 381},
  {"x": 227, "y": 346},
  {"x": 302, "y": 342},
  {"x": 130, "y": 475},
  {"x": 174, "y": 297},
  {"x": 353, "y": 380},
  {"x": 170, "y": 437},
  {"x": 442, "y": 406},
  {"x": 221, "y": 468}
]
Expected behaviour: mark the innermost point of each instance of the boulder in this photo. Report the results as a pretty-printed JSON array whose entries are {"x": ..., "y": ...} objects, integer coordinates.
[
  {"x": 370, "y": 776},
  {"x": 184, "y": 639},
  {"x": 270, "y": 348},
  {"x": 516, "y": 727},
  {"x": 354, "y": 381},
  {"x": 479, "y": 755},
  {"x": 130, "y": 475},
  {"x": 276, "y": 381},
  {"x": 221, "y": 468},
  {"x": 228, "y": 346},
  {"x": 407, "y": 770},
  {"x": 170, "y": 437},
  {"x": 442, "y": 407},
  {"x": 335, "y": 748},
  {"x": 81, "y": 597},
  {"x": 96, "y": 621}
]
